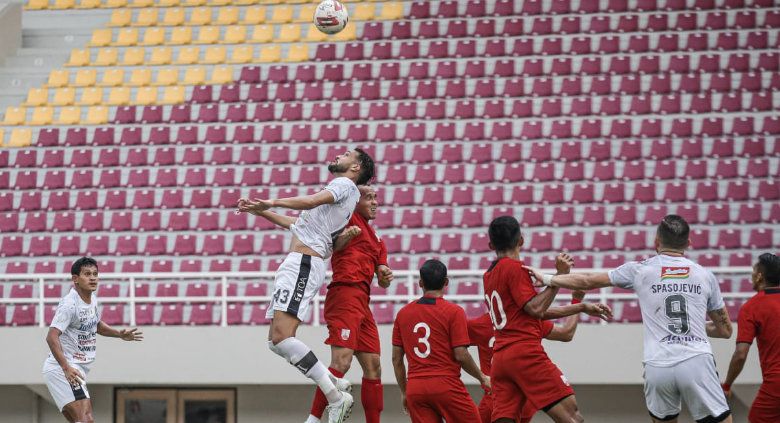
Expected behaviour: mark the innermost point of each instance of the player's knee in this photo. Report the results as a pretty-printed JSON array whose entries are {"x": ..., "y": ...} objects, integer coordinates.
[
  {"x": 340, "y": 364},
  {"x": 276, "y": 350},
  {"x": 373, "y": 368}
]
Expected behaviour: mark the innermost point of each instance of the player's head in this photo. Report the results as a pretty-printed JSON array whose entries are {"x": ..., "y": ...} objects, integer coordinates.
[
  {"x": 672, "y": 233},
  {"x": 84, "y": 272},
  {"x": 504, "y": 233},
  {"x": 766, "y": 271},
  {"x": 433, "y": 275},
  {"x": 354, "y": 164},
  {"x": 367, "y": 205}
]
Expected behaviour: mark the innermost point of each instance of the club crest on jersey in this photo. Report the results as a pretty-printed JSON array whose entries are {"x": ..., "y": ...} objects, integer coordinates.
[
  {"x": 670, "y": 273},
  {"x": 345, "y": 334}
]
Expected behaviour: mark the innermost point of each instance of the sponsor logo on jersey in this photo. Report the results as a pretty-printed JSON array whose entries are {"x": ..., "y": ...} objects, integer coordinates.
[
  {"x": 345, "y": 334},
  {"x": 670, "y": 273}
]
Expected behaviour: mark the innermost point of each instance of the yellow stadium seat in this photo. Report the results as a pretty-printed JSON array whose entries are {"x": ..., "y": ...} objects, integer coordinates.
[
  {"x": 78, "y": 57},
  {"x": 167, "y": 76},
  {"x": 42, "y": 116},
  {"x": 349, "y": 33},
  {"x": 153, "y": 37},
  {"x": 200, "y": 16},
  {"x": 298, "y": 53},
  {"x": 181, "y": 35},
  {"x": 173, "y": 95},
  {"x": 121, "y": 17},
  {"x": 112, "y": 78},
  {"x": 85, "y": 78},
  {"x": 147, "y": 17},
  {"x": 161, "y": 56},
  {"x": 241, "y": 54},
  {"x": 221, "y": 75},
  {"x": 188, "y": 56},
  {"x": 305, "y": 13},
  {"x": 127, "y": 37},
  {"x": 91, "y": 96},
  {"x": 37, "y": 4},
  {"x": 97, "y": 115},
  {"x": 208, "y": 35},
  {"x": 245, "y": 2},
  {"x": 14, "y": 116},
  {"x": 141, "y": 3},
  {"x": 195, "y": 76},
  {"x": 58, "y": 78},
  {"x": 106, "y": 57},
  {"x": 220, "y": 2},
  {"x": 270, "y": 54},
  {"x": 314, "y": 35},
  {"x": 140, "y": 77},
  {"x": 364, "y": 12},
  {"x": 289, "y": 33},
  {"x": 193, "y": 3},
  {"x": 173, "y": 17},
  {"x": 20, "y": 137},
  {"x": 133, "y": 56},
  {"x": 88, "y": 4},
  {"x": 168, "y": 3},
  {"x": 146, "y": 96},
  {"x": 227, "y": 16},
  {"x": 64, "y": 97},
  {"x": 69, "y": 116},
  {"x": 64, "y": 4},
  {"x": 282, "y": 14},
  {"x": 235, "y": 34},
  {"x": 119, "y": 96},
  {"x": 214, "y": 55},
  {"x": 254, "y": 15},
  {"x": 392, "y": 11},
  {"x": 262, "y": 34},
  {"x": 113, "y": 4},
  {"x": 101, "y": 37},
  {"x": 37, "y": 97}
]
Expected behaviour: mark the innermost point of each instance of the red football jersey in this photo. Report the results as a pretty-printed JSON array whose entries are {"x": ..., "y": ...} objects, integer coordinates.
[
  {"x": 758, "y": 319},
  {"x": 508, "y": 288},
  {"x": 357, "y": 262},
  {"x": 483, "y": 336},
  {"x": 428, "y": 330}
]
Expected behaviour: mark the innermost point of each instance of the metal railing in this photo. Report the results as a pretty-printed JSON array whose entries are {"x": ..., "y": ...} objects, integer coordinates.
[{"x": 407, "y": 277}]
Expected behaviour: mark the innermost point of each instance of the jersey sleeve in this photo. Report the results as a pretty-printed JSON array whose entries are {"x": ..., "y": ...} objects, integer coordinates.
[
  {"x": 624, "y": 276},
  {"x": 64, "y": 316},
  {"x": 397, "y": 341},
  {"x": 547, "y": 327},
  {"x": 715, "y": 301},
  {"x": 746, "y": 324},
  {"x": 340, "y": 188},
  {"x": 523, "y": 290},
  {"x": 459, "y": 333}
]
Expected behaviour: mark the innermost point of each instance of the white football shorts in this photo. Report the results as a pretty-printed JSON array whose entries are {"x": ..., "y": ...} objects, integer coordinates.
[
  {"x": 60, "y": 389},
  {"x": 297, "y": 281}
]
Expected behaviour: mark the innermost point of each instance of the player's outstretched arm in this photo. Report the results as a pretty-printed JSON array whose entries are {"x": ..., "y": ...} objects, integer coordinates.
[
  {"x": 306, "y": 202},
  {"x": 720, "y": 326},
  {"x": 736, "y": 365},
  {"x": 467, "y": 363},
  {"x": 133, "y": 334},
  {"x": 399, "y": 367},
  {"x": 277, "y": 219},
  {"x": 575, "y": 281},
  {"x": 565, "y": 332}
]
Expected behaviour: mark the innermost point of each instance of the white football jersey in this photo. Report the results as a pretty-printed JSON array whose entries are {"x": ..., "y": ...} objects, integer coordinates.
[
  {"x": 319, "y": 227},
  {"x": 675, "y": 295},
  {"x": 78, "y": 322}
]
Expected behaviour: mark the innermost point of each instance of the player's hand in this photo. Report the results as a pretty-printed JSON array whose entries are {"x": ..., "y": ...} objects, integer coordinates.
[
  {"x": 577, "y": 295},
  {"x": 536, "y": 276},
  {"x": 73, "y": 376},
  {"x": 351, "y": 232},
  {"x": 486, "y": 385},
  {"x": 563, "y": 263},
  {"x": 254, "y": 207},
  {"x": 384, "y": 275},
  {"x": 403, "y": 404},
  {"x": 727, "y": 391},
  {"x": 131, "y": 334},
  {"x": 600, "y": 310}
]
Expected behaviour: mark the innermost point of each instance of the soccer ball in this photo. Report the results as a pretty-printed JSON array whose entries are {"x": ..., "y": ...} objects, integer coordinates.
[{"x": 330, "y": 17}]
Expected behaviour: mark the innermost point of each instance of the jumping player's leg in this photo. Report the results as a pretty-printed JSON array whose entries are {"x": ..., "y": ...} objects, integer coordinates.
[
  {"x": 79, "y": 411},
  {"x": 564, "y": 411},
  {"x": 371, "y": 391},
  {"x": 340, "y": 362}
]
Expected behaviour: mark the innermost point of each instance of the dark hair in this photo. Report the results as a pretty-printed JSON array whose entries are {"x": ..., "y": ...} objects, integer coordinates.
[
  {"x": 75, "y": 269},
  {"x": 673, "y": 232},
  {"x": 769, "y": 266},
  {"x": 433, "y": 274},
  {"x": 366, "y": 168},
  {"x": 504, "y": 233}
]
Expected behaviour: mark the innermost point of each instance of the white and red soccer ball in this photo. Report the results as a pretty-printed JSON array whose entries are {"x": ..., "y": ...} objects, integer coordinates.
[{"x": 331, "y": 17}]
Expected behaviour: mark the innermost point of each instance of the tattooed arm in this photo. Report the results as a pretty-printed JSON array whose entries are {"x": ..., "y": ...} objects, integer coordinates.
[{"x": 720, "y": 326}]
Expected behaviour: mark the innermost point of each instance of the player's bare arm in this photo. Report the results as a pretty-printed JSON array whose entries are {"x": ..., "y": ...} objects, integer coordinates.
[
  {"x": 53, "y": 340},
  {"x": 539, "y": 304},
  {"x": 277, "y": 219},
  {"x": 599, "y": 310},
  {"x": 577, "y": 281},
  {"x": 345, "y": 237},
  {"x": 384, "y": 275},
  {"x": 306, "y": 202},
  {"x": 467, "y": 363},
  {"x": 133, "y": 334},
  {"x": 720, "y": 326},
  {"x": 399, "y": 367},
  {"x": 565, "y": 332},
  {"x": 736, "y": 365}
]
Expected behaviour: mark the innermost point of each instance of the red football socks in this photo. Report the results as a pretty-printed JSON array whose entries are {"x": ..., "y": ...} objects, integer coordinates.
[
  {"x": 320, "y": 402},
  {"x": 371, "y": 395}
]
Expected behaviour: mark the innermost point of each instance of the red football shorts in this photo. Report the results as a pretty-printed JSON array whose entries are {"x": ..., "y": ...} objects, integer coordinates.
[
  {"x": 349, "y": 319},
  {"x": 525, "y": 379},
  {"x": 486, "y": 410},
  {"x": 431, "y": 399},
  {"x": 766, "y": 406}
]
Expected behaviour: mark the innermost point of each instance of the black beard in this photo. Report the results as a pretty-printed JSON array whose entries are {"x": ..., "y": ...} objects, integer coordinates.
[{"x": 335, "y": 168}]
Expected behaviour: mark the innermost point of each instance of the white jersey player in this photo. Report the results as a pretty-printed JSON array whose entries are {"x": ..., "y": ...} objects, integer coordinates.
[
  {"x": 325, "y": 216},
  {"x": 675, "y": 296},
  {"x": 72, "y": 339}
]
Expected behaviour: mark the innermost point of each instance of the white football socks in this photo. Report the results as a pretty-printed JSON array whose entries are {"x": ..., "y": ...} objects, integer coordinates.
[{"x": 302, "y": 357}]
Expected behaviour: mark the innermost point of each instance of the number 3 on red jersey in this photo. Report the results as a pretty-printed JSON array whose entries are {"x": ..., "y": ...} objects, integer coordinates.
[
  {"x": 423, "y": 339},
  {"x": 495, "y": 305}
]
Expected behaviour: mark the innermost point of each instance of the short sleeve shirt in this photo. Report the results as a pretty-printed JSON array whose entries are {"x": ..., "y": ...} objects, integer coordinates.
[{"x": 78, "y": 322}]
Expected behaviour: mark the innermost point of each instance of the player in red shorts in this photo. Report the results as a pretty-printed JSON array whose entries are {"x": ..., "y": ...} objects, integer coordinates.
[
  {"x": 432, "y": 333},
  {"x": 758, "y": 319},
  {"x": 483, "y": 336},
  {"x": 522, "y": 372}
]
